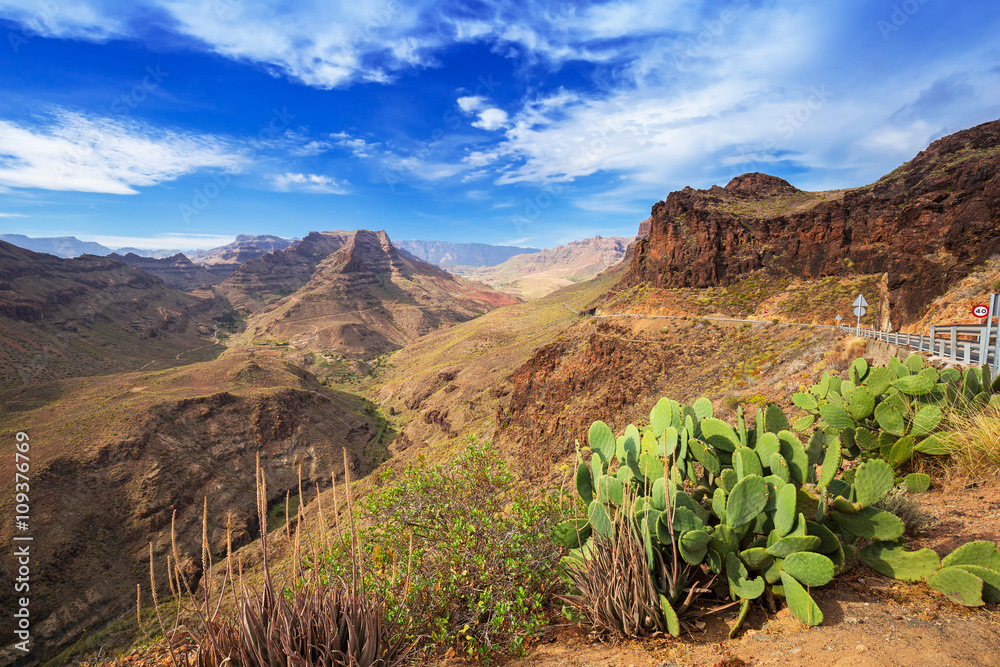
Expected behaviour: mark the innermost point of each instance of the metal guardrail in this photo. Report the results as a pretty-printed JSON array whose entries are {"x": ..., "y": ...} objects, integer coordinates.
[{"x": 960, "y": 343}]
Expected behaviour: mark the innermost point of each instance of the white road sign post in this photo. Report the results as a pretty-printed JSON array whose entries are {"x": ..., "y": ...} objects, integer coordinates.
[
  {"x": 859, "y": 310},
  {"x": 838, "y": 318}
]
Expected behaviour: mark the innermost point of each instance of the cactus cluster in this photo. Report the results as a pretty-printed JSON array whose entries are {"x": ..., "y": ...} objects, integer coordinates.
[
  {"x": 893, "y": 411},
  {"x": 765, "y": 512},
  {"x": 764, "y": 507}
]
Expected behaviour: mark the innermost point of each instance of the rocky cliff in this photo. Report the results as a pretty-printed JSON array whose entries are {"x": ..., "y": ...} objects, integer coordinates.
[
  {"x": 176, "y": 271},
  {"x": 368, "y": 298},
  {"x": 925, "y": 225},
  {"x": 269, "y": 277},
  {"x": 224, "y": 260}
]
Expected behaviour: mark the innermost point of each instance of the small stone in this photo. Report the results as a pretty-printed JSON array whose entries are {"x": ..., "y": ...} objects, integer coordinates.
[
  {"x": 762, "y": 638},
  {"x": 795, "y": 650},
  {"x": 860, "y": 648},
  {"x": 851, "y": 619}
]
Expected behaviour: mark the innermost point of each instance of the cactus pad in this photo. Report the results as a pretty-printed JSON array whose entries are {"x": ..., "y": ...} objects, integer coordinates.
[
  {"x": 572, "y": 533},
  {"x": 915, "y": 385},
  {"x": 835, "y": 416},
  {"x": 917, "y": 482},
  {"x": 584, "y": 483},
  {"x": 719, "y": 434},
  {"x": 982, "y": 553},
  {"x": 746, "y": 501},
  {"x": 811, "y": 569},
  {"x": 600, "y": 520},
  {"x": 784, "y": 511},
  {"x": 926, "y": 420},
  {"x": 793, "y": 544},
  {"x": 602, "y": 441},
  {"x": 991, "y": 581},
  {"x": 873, "y": 480},
  {"x": 862, "y": 403},
  {"x": 800, "y": 603},
  {"x": 958, "y": 585},
  {"x": 890, "y": 419},
  {"x": 870, "y": 523},
  {"x": 938, "y": 444},
  {"x": 895, "y": 562}
]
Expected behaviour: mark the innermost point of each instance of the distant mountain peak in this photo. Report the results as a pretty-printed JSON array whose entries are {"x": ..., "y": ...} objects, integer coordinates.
[{"x": 446, "y": 254}]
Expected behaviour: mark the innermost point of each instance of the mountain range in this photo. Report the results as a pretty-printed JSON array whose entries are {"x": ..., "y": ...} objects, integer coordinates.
[
  {"x": 447, "y": 255},
  {"x": 363, "y": 298},
  {"x": 143, "y": 398},
  {"x": 535, "y": 275}
]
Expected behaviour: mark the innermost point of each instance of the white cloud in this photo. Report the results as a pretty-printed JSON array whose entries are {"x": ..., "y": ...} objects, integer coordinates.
[
  {"x": 491, "y": 119},
  {"x": 358, "y": 146},
  {"x": 180, "y": 241},
  {"x": 13, "y": 215},
  {"x": 472, "y": 103},
  {"x": 315, "y": 183},
  {"x": 477, "y": 159},
  {"x": 84, "y": 154},
  {"x": 329, "y": 44}
]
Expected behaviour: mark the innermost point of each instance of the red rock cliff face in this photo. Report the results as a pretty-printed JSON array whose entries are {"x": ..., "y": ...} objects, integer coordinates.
[{"x": 926, "y": 225}]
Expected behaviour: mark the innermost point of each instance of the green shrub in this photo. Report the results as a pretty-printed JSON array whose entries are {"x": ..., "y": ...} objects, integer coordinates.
[{"x": 482, "y": 558}]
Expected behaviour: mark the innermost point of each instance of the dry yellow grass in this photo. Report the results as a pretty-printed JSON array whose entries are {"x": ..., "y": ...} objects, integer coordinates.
[{"x": 976, "y": 452}]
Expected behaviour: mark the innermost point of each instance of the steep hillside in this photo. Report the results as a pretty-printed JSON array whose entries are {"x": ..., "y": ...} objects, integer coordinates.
[
  {"x": 446, "y": 255},
  {"x": 368, "y": 298},
  {"x": 926, "y": 225},
  {"x": 176, "y": 271},
  {"x": 271, "y": 276},
  {"x": 60, "y": 246},
  {"x": 533, "y": 377},
  {"x": 535, "y": 275},
  {"x": 113, "y": 457},
  {"x": 452, "y": 383},
  {"x": 70, "y": 317},
  {"x": 222, "y": 261}
]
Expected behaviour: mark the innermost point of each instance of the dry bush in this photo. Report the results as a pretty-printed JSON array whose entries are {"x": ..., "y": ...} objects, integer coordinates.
[
  {"x": 316, "y": 623},
  {"x": 976, "y": 451},
  {"x": 915, "y": 517},
  {"x": 617, "y": 586}
]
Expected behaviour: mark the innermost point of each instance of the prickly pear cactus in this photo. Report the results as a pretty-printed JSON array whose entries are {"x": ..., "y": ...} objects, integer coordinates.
[{"x": 762, "y": 507}]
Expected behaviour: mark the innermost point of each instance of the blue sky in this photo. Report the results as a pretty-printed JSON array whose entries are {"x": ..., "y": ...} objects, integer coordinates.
[{"x": 181, "y": 123}]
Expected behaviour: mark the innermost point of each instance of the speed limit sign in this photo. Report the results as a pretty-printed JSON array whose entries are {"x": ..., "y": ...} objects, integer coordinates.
[{"x": 980, "y": 310}]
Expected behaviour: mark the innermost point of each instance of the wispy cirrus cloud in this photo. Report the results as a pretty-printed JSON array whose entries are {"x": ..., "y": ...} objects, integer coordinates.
[{"x": 70, "y": 151}]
